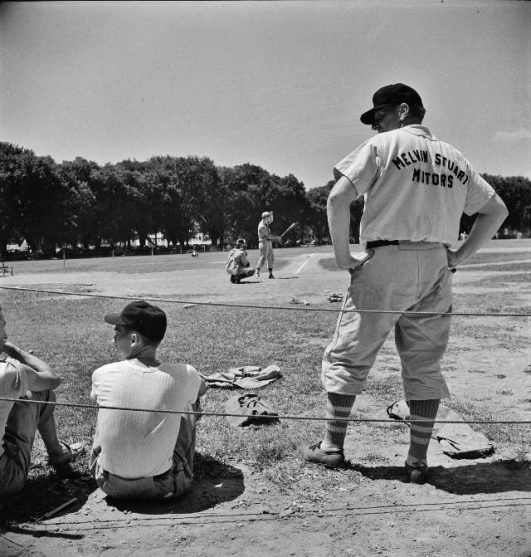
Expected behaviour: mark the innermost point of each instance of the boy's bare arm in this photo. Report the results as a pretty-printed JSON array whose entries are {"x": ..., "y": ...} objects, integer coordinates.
[{"x": 41, "y": 377}]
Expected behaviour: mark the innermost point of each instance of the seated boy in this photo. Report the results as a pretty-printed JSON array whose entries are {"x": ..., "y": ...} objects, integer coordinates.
[
  {"x": 24, "y": 375},
  {"x": 237, "y": 262},
  {"x": 144, "y": 455}
]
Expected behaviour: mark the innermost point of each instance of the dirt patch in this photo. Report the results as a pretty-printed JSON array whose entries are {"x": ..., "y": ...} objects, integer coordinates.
[{"x": 470, "y": 508}]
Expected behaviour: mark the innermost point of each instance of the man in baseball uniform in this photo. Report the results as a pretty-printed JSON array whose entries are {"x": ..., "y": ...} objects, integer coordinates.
[
  {"x": 265, "y": 243},
  {"x": 237, "y": 264},
  {"x": 416, "y": 188}
]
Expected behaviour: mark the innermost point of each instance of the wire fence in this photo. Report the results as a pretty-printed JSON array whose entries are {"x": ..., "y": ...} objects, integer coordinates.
[
  {"x": 190, "y": 303},
  {"x": 263, "y": 416},
  {"x": 296, "y": 307}
]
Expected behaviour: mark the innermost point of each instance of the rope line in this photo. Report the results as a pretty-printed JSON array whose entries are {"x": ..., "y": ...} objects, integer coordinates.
[
  {"x": 254, "y": 306},
  {"x": 224, "y": 518},
  {"x": 262, "y": 416}
]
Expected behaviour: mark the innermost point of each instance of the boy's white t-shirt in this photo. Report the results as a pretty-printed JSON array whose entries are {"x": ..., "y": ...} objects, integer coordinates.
[
  {"x": 141, "y": 444},
  {"x": 13, "y": 384}
]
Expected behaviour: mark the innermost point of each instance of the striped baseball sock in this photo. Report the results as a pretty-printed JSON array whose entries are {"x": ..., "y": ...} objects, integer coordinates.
[
  {"x": 420, "y": 432},
  {"x": 337, "y": 406}
]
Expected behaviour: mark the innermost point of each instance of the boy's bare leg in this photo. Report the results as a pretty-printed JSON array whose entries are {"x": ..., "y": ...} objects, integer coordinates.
[
  {"x": 48, "y": 431},
  {"x": 26, "y": 418}
]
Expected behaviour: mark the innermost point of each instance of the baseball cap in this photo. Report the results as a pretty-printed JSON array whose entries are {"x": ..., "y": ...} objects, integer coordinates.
[
  {"x": 266, "y": 214},
  {"x": 150, "y": 321},
  {"x": 240, "y": 241},
  {"x": 391, "y": 94}
]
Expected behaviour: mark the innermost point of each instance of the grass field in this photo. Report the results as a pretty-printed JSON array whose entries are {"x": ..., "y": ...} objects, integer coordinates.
[{"x": 486, "y": 364}]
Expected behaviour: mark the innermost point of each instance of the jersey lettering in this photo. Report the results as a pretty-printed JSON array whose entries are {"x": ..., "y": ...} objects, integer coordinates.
[
  {"x": 452, "y": 166},
  {"x": 432, "y": 178},
  {"x": 409, "y": 158}
]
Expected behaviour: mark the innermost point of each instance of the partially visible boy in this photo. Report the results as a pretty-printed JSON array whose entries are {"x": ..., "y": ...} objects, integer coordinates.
[
  {"x": 144, "y": 455},
  {"x": 238, "y": 263},
  {"x": 25, "y": 377}
]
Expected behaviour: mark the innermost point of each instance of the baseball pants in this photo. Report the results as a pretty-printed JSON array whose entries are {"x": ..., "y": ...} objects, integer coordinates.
[
  {"x": 412, "y": 276},
  {"x": 241, "y": 272},
  {"x": 265, "y": 249}
]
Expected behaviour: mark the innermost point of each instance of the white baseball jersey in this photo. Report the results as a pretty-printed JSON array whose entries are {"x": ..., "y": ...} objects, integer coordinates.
[
  {"x": 416, "y": 187},
  {"x": 264, "y": 232}
]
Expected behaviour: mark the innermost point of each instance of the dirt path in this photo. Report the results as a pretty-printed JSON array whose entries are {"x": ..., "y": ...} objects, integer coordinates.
[{"x": 476, "y": 508}]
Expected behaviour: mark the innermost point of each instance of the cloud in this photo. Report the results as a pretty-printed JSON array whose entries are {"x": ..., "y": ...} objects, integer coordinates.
[{"x": 515, "y": 135}]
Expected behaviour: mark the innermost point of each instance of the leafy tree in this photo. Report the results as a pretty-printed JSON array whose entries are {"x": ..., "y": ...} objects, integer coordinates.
[
  {"x": 253, "y": 190},
  {"x": 182, "y": 182},
  {"x": 287, "y": 198},
  {"x": 319, "y": 221},
  {"x": 516, "y": 194},
  {"x": 356, "y": 212},
  {"x": 9, "y": 169},
  {"x": 32, "y": 199},
  {"x": 526, "y": 219},
  {"x": 210, "y": 195},
  {"x": 243, "y": 209},
  {"x": 119, "y": 196},
  {"x": 317, "y": 217},
  {"x": 80, "y": 202},
  {"x": 143, "y": 199}
]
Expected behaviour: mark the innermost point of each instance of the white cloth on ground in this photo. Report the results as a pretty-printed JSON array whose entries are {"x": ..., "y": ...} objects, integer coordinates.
[{"x": 245, "y": 377}]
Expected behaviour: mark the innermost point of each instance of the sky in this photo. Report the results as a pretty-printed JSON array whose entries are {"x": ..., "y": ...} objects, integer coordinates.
[{"x": 276, "y": 84}]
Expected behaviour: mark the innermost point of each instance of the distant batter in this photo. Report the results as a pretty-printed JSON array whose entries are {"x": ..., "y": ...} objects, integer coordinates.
[{"x": 265, "y": 243}]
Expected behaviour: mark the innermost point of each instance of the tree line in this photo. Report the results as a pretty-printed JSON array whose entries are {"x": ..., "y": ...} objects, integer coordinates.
[{"x": 82, "y": 204}]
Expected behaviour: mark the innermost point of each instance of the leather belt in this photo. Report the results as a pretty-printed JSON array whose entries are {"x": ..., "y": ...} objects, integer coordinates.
[{"x": 381, "y": 243}]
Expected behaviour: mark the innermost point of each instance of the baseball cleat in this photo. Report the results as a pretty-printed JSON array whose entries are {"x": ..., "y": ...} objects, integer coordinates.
[
  {"x": 333, "y": 458},
  {"x": 417, "y": 472}
]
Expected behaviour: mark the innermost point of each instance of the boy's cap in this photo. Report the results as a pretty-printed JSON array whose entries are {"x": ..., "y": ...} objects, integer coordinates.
[
  {"x": 150, "y": 321},
  {"x": 240, "y": 242},
  {"x": 391, "y": 94},
  {"x": 266, "y": 214}
]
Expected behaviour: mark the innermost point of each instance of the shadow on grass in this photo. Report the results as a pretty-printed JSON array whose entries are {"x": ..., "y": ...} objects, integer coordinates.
[
  {"x": 44, "y": 494},
  {"x": 484, "y": 477},
  {"x": 329, "y": 264},
  {"x": 214, "y": 482}
]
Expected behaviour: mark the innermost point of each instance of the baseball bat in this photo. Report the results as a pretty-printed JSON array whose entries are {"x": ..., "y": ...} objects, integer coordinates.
[{"x": 288, "y": 229}]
